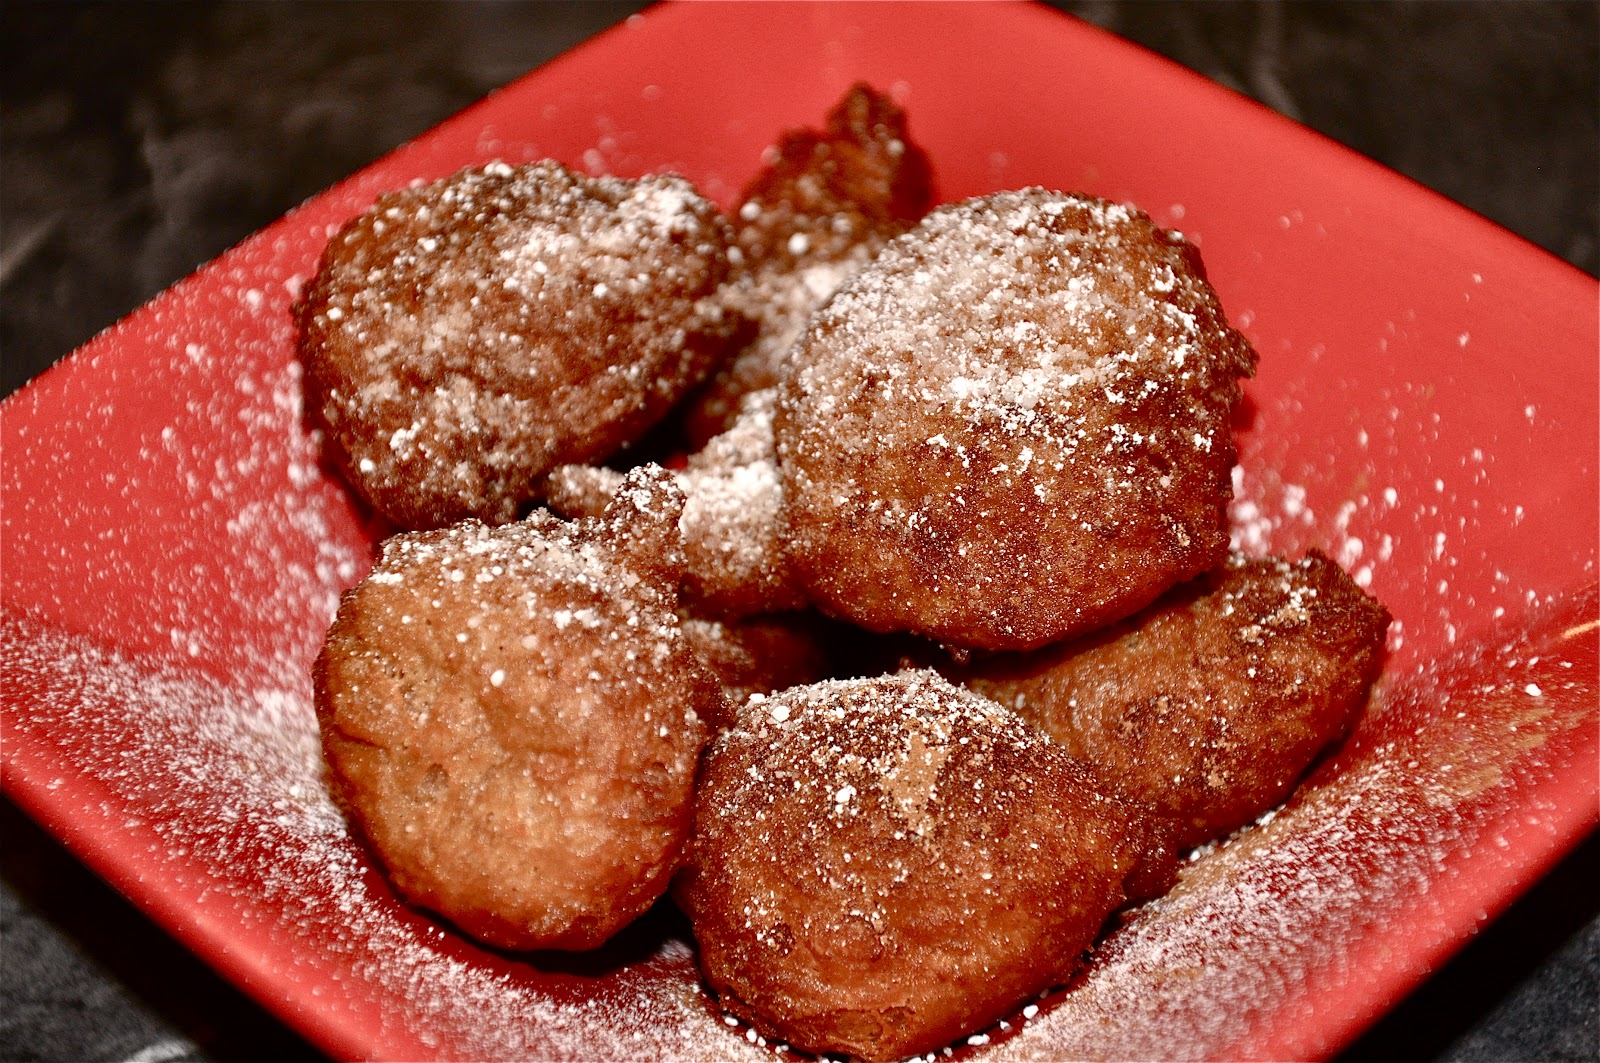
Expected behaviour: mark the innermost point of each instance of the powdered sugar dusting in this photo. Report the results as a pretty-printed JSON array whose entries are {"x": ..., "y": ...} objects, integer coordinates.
[
  {"x": 730, "y": 526},
  {"x": 1033, "y": 267},
  {"x": 731, "y": 523}
]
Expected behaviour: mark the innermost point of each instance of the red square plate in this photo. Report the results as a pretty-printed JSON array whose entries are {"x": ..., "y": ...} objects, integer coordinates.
[{"x": 1426, "y": 412}]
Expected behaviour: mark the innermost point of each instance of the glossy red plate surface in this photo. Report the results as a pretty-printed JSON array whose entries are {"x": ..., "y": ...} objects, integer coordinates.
[{"x": 1425, "y": 412}]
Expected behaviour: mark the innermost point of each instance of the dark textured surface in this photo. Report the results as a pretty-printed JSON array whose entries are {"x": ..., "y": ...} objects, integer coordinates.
[{"x": 137, "y": 141}]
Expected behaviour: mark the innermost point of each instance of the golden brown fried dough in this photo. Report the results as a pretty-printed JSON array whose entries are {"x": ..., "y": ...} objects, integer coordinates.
[
  {"x": 757, "y": 655},
  {"x": 1012, "y": 426},
  {"x": 1210, "y": 704},
  {"x": 512, "y": 717},
  {"x": 818, "y": 212},
  {"x": 880, "y": 866},
  {"x": 463, "y": 338},
  {"x": 732, "y": 537}
]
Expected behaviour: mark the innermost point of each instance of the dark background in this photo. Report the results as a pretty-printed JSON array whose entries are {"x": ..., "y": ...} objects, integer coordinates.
[{"x": 139, "y": 140}]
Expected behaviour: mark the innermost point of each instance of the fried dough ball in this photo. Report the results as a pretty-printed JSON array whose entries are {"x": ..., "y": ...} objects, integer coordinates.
[
  {"x": 732, "y": 538},
  {"x": 757, "y": 655},
  {"x": 1210, "y": 704},
  {"x": 1013, "y": 426},
  {"x": 812, "y": 217},
  {"x": 512, "y": 717},
  {"x": 880, "y": 866},
  {"x": 463, "y": 338}
]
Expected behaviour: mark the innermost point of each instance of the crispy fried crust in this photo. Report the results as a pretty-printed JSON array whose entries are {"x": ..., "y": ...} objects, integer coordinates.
[
  {"x": 1210, "y": 704},
  {"x": 512, "y": 718},
  {"x": 463, "y": 338},
  {"x": 881, "y": 866},
  {"x": 1013, "y": 426},
  {"x": 816, "y": 214}
]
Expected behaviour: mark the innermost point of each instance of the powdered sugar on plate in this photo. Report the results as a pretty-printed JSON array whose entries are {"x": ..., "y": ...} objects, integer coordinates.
[
  {"x": 1314, "y": 895},
  {"x": 227, "y": 782},
  {"x": 238, "y": 809}
]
